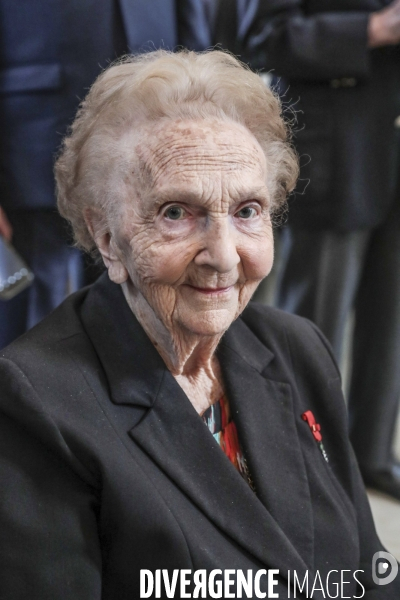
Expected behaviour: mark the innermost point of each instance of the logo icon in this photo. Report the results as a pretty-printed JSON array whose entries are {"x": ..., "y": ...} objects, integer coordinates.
[{"x": 384, "y": 568}]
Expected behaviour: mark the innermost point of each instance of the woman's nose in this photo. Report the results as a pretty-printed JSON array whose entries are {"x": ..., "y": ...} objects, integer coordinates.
[{"x": 219, "y": 246}]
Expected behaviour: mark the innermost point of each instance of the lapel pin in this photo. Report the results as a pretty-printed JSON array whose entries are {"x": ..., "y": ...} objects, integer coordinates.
[{"x": 315, "y": 430}]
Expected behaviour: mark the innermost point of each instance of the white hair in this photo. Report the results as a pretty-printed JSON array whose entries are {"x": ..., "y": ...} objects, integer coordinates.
[{"x": 163, "y": 85}]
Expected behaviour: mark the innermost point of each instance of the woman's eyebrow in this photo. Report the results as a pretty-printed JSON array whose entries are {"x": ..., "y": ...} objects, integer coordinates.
[
  {"x": 176, "y": 195},
  {"x": 257, "y": 193},
  {"x": 179, "y": 195}
]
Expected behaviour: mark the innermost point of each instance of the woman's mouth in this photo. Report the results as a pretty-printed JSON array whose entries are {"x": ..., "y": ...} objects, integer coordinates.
[{"x": 211, "y": 291}]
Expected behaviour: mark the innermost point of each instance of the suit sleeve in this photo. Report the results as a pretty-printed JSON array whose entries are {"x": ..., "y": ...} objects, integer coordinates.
[
  {"x": 49, "y": 545},
  {"x": 194, "y": 29},
  {"x": 316, "y": 47}
]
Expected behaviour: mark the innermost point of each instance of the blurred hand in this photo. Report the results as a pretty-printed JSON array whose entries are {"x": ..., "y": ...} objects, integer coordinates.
[
  {"x": 5, "y": 227},
  {"x": 384, "y": 26}
]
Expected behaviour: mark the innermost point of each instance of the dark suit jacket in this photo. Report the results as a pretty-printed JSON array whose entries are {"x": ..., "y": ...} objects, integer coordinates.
[
  {"x": 51, "y": 51},
  {"x": 347, "y": 98},
  {"x": 106, "y": 468}
]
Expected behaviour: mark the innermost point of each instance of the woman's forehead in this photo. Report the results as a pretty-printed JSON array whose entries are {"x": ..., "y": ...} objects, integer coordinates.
[{"x": 185, "y": 152}]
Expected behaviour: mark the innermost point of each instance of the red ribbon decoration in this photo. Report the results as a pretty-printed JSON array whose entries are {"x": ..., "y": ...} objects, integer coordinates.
[{"x": 314, "y": 426}]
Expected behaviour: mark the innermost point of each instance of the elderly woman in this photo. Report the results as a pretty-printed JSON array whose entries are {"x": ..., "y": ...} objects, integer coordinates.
[{"x": 158, "y": 438}]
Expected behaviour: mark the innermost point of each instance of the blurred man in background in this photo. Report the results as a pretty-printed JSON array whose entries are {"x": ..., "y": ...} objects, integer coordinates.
[
  {"x": 50, "y": 53},
  {"x": 342, "y": 62}
]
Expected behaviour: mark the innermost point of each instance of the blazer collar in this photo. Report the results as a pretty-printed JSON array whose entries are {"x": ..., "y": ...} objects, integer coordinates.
[
  {"x": 133, "y": 367},
  {"x": 175, "y": 437}
]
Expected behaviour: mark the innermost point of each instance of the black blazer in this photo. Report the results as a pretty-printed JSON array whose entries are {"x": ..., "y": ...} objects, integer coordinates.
[
  {"x": 347, "y": 99},
  {"x": 50, "y": 54},
  {"x": 106, "y": 468}
]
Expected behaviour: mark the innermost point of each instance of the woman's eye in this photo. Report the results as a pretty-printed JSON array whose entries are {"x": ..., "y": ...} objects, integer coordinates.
[
  {"x": 247, "y": 212},
  {"x": 175, "y": 213}
]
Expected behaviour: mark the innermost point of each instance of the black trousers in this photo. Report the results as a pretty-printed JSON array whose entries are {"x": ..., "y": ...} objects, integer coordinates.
[{"x": 326, "y": 275}]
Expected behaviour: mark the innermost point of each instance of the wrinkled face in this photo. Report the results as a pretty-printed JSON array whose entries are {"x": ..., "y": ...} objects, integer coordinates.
[{"x": 196, "y": 237}]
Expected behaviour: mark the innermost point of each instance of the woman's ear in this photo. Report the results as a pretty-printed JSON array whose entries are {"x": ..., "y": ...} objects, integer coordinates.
[{"x": 106, "y": 246}]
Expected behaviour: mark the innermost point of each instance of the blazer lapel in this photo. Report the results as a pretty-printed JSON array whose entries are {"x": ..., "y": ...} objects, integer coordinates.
[{"x": 265, "y": 418}]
